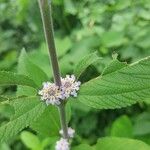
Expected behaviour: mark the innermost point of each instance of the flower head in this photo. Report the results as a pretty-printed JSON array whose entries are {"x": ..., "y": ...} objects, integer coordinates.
[
  {"x": 69, "y": 86},
  {"x": 50, "y": 93},
  {"x": 71, "y": 132},
  {"x": 62, "y": 144}
]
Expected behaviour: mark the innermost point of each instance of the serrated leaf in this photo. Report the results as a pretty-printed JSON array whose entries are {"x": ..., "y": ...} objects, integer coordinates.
[
  {"x": 26, "y": 67},
  {"x": 122, "y": 127},
  {"x": 27, "y": 110},
  {"x": 113, "y": 66},
  {"x": 84, "y": 63},
  {"x": 118, "y": 89},
  {"x": 10, "y": 78},
  {"x": 112, "y": 143},
  {"x": 23, "y": 104}
]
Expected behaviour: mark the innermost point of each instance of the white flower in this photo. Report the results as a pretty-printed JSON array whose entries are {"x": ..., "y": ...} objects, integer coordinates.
[
  {"x": 71, "y": 132},
  {"x": 69, "y": 86},
  {"x": 62, "y": 144},
  {"x": 50, "y": 93}
]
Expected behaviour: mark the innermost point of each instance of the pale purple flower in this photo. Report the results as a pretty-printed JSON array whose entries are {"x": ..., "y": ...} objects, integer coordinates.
[
  {"x": 71, "y": 132},
  {"x": 69, "y": 86},
  {"x": 50, "y": 93},
  {"x": 62, "y": 144}
]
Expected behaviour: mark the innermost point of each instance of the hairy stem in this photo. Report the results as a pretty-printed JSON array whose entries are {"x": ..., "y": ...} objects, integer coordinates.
[{"x": 46, "y": 14}]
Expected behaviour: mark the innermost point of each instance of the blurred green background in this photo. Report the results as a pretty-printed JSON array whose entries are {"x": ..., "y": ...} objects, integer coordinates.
[{"x": 81, "y": 27}]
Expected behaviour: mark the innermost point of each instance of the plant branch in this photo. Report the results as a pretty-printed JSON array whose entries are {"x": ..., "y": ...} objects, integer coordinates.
[{"x": 46, "y": 14}]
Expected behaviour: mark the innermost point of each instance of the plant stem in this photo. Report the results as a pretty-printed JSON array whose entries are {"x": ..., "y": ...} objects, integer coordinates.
[
  {"x": 45, "y": 9},
  {"x": 63, "y": 122},
  {"x": 46, "y": 14}
]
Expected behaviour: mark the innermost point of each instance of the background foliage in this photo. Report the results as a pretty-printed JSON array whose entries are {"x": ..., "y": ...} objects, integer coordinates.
[{"x": 81, "y": 27}]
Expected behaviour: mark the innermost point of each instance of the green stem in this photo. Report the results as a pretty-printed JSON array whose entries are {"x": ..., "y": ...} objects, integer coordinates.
[
  {"x": 63, "y": 119},
  {"x": 46, "y": 14},
  {"x": 45, "y": 9}
]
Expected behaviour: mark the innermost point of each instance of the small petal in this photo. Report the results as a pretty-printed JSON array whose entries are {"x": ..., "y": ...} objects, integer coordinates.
[{"x": 71, "y": 132}]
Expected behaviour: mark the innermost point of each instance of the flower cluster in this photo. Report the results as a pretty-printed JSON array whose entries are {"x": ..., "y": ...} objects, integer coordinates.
[
  {"x": 63, "y": 144},
  {"x": 69, "y": 86},
  {"x": 50, "y": 93},
  {"x": 53, "y": 94}
]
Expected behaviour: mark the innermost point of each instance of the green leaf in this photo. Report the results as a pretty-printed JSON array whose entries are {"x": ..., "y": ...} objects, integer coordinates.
[
  {"x": 144, "y": 14},
  {"x": 84, "y": 63},
  {"x": 70, "y": 7},
  {"x": 63, "y": 45},
  {"x": 83, "y": 147},
  {"x": 142, "y": 128},
  {"x": 122, "y": 4},
  {"x": 25, "y": 91},
  {"x": 122, "y": 127},
  {"x": 26, "y": 67},
  {"x": 118, "y": 89},
  {"x": 3, "y": 98},
  {"x": 27, "y": 110},
  {"x": 143, "y": 42},
  {"x": 48, "y": 124},
  {"x": 6, "y": 111},
  {"x": 112, "y": 143},
  {"x": 49, "y": 141},
  {"x": 9, "y": 78},
  {"x": 57, "y": 2},
  {"x": 113, "y": 66},
  {"x": 142, "y": 124},
  {"x": 40, "y": 57},
  {"x": 4, "y": 146},
  {"x": 30, "y": 140},
  {"x": 112, "y": 38}
]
